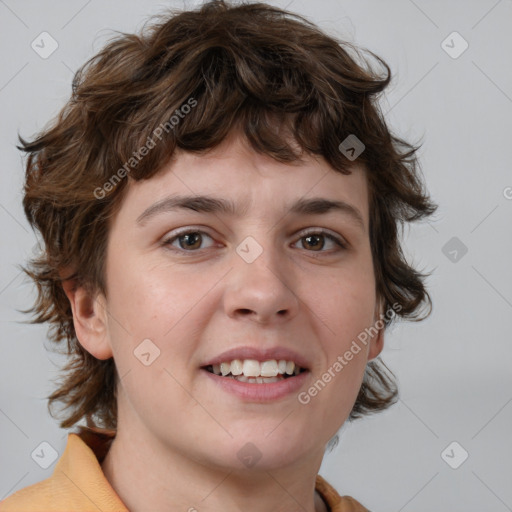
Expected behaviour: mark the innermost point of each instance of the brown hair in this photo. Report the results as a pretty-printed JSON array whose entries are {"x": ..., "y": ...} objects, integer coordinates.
[{"x": 252, "y": 68}]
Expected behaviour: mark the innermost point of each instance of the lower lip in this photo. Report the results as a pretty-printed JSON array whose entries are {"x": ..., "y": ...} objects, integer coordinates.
[{"x": 260, "y": 392}]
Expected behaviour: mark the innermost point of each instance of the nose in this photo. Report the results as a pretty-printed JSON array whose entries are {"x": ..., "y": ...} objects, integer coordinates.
[{"x": 263, "y": 290}]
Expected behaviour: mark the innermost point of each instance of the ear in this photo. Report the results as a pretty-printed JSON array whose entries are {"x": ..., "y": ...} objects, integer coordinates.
[
  {"x": 90, "y": 319},
  {"x": 377, "y": 342}
]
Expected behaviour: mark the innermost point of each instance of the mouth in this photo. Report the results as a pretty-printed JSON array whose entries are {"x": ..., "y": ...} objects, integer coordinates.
[
  {"x": 252, "y": 371},
  {"x": 250, "y": 380}
]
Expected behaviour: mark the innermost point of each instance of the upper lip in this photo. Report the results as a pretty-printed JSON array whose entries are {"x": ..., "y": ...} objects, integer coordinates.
[{"x": 260, "y": 355}]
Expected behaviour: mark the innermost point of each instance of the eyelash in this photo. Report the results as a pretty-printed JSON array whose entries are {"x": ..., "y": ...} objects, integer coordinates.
[{"x": 168, "y": 242}]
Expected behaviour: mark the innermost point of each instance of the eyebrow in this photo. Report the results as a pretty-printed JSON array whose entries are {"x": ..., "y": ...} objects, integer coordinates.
[{"x": 210, "y": 204}]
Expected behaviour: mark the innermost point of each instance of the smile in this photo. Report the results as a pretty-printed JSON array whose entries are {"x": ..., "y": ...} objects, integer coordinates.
[
  {"x": 254, "y": 372},
  {"x": 253, "y": 381}
]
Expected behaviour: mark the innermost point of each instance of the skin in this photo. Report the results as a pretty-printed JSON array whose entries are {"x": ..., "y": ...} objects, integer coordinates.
[{"x": 178, "y": 433}]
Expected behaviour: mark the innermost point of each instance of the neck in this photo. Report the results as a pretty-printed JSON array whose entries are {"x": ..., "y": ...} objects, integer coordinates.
[{"x": 173, "y": 481}]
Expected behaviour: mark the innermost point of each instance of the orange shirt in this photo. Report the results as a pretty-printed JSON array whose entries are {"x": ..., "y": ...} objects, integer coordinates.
[{"x": 79, "y": 485}]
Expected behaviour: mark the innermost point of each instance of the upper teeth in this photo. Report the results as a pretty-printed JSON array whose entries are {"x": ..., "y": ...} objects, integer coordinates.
[{"x": 253, "y": 368}]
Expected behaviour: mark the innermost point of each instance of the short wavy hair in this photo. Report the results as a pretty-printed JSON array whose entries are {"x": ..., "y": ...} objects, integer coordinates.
[{"x": 254, "y": 68}]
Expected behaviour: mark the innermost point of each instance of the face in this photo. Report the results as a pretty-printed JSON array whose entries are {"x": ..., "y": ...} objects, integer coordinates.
[{"x": 275, "y": 281}]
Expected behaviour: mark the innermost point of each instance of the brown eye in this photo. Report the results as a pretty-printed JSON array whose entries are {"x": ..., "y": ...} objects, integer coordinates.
[
  {"x": 190, "y": 241},
  {"x": 315, "y": 241},
  {"x": 187, "y": 241}
]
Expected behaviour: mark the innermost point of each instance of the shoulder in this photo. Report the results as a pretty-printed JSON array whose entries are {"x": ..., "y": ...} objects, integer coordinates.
[
  {"x": 34, "y": 497},
  {"x": 77, "y": 484}
]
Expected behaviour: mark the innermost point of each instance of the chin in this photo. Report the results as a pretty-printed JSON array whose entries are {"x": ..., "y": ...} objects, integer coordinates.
[{"x": 259, "y": 449}]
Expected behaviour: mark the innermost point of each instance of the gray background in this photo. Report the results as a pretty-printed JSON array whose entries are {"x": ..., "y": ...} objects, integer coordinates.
[{"x": 454, "y": 368}]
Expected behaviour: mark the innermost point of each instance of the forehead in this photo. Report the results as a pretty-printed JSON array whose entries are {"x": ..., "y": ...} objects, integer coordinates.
[{"x": 251, "y": 183}]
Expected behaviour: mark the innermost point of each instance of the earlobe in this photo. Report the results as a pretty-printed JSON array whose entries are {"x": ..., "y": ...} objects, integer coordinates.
[{"x": 89, "y": 319}]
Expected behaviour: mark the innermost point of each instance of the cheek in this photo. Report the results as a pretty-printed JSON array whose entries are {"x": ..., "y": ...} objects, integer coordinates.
[
  {"x": 345, "y": 315},
  {"x": 149, "y": 301},
  {"x": 346, "y": 303},
  {"x": 157, "y": 311},
  {"x": 151, "y": 315},
  {"x": 344, "y": 311}
]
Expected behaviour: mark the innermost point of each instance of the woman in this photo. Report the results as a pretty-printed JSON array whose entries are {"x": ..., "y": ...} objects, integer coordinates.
[{"x": 220, "y": 201}]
